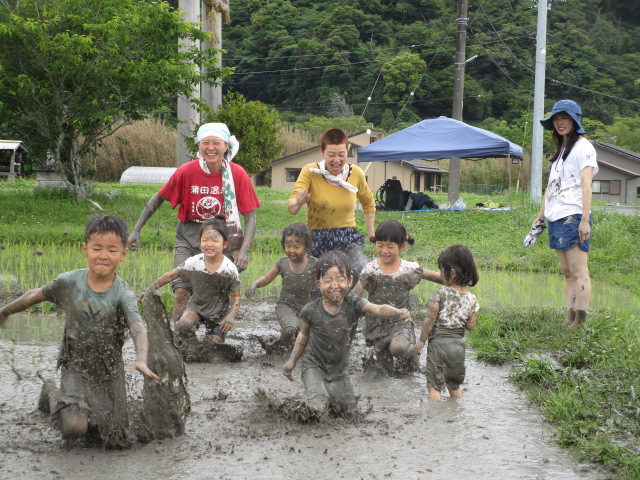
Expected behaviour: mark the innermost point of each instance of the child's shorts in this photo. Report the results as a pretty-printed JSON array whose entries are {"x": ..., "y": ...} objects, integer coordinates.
[
  {"x": 564, "y": 233},
  {"x": 445, "y": 362},
  {"x": 212, "y": 327},
  {"x": 287, "y": 316},
  {"x": 320, "y": 392}
]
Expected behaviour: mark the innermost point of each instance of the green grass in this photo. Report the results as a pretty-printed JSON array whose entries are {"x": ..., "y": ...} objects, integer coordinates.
[{"x": 585, "y": 381}]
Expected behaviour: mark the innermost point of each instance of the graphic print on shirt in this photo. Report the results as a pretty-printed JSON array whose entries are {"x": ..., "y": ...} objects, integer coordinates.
[{"x": 206, "y": 207}]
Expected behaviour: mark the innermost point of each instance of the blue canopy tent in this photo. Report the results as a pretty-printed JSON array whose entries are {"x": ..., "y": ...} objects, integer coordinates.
[{"x": 439, "y": 138}]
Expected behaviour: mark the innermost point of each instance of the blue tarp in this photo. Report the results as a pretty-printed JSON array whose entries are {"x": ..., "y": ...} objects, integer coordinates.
[{"x": 438, "y": 138}]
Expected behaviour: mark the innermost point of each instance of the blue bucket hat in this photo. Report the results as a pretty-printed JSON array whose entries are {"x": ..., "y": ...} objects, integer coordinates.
[{"x": 569, "y": 107}]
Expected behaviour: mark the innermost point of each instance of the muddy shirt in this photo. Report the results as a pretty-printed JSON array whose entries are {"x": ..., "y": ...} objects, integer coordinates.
[
  {"x": 330, "y": 336},
  {"x": 393, "y": 289},
  {"x": 296, "y": 287},
  {"x": 94, "y": 323},
  {"x": 211, "y": 291},
  {"x": 455, "y": 310}
]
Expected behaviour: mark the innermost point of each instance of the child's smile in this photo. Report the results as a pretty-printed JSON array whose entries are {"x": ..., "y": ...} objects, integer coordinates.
[
  {"x": 212, "y": 243},
  {"x": 334, "y": 285},
  {"x": 104, "y": 253},
  {"x": 295, "y": 249}
]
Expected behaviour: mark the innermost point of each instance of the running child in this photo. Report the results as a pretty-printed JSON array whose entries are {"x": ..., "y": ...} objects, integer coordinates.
[
  {"x": 214, "y": 278},
  {"x": 328, "y": 325},
  {"x": 389, "y": 279},
  {"x": 452, "y": 309},
  {"x": 298, "y": 273},
  {"x": 98, "y": 307}
]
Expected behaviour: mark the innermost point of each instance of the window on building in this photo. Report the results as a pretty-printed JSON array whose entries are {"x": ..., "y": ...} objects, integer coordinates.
[
  {"x": 352, "y": 151},
  {"x": 372, "y": 139},
  {"x": 615, "y": 187},
  {"x": 292, "y": 174},
  {"x": 600, "y": 186}
]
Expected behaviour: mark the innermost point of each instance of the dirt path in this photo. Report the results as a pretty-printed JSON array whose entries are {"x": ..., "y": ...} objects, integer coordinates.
[{"x": 230, "y": 434}]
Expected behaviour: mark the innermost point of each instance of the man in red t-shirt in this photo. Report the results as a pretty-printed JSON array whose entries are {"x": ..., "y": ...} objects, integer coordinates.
[{"x": 198, "y": 187}]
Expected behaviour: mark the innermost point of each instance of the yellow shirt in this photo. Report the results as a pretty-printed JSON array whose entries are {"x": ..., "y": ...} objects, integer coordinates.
[{"x": 333, "y": 206}]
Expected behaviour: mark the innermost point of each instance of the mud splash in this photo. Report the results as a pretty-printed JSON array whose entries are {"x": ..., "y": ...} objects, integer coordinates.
[{"x": 231, "y": 434}]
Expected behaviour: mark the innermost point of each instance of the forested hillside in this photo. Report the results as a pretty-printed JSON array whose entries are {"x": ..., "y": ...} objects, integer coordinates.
[{"x": 392, "y": 61}]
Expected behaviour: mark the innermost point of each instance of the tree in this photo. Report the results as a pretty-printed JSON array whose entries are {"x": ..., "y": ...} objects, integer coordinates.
[
  {"x": 256, "y": 126},
  {"x": 72, "y": 72}
]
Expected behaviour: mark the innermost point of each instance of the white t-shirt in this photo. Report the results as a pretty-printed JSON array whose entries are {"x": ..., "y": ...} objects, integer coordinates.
[{"x": 564, "y": 190}]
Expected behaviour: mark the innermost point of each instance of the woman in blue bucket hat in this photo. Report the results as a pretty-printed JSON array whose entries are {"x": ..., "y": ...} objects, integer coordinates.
[{"x": 567, "y": 204}]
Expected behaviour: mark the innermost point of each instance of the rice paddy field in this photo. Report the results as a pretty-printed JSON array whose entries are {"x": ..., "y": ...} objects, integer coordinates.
[{"x": 585, "y": 382}]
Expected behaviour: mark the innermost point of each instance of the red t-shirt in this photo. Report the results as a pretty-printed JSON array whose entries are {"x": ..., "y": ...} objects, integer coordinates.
[{"x": 200, "y": 195}]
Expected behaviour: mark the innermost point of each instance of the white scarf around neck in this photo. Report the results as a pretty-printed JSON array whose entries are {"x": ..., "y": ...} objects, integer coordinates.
[{"x": 339, "y": 179}]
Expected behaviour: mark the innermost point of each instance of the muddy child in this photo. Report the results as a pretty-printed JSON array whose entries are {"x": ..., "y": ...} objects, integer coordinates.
[
  {"x": 297, "y": 269},
  {"x": 389, "y": 279},
  {"x": 214, "y": 278},
  {"x": 452, "y": 309},
  {"x": 98, "y": 307},
  {"x": 328, "y": 325}
]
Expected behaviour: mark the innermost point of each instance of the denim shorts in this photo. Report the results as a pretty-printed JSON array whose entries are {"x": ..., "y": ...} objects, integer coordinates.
[{"x": 564, "y": 234}]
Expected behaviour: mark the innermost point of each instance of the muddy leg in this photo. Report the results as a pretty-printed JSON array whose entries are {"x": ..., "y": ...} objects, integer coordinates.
[
  {"x": 571, "y": 315},
  {"x": 580, "y": 318},
  {"x": 385, "y": 360},
  {"x": 288, "y": 336},
  {"x": 455, "y": 393},
  {"x": 180, "y": 300},
  {"x": 401, "y": 349},
  {"x": 47, "y": 401}
]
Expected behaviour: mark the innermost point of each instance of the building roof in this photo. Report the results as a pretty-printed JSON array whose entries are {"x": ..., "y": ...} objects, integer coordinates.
[
  {"x": 424, "y": 166},
  {"x": 317, "y": 147},
  {"x": 12, "y": 145},
  {"x": 617, "y": 150}
]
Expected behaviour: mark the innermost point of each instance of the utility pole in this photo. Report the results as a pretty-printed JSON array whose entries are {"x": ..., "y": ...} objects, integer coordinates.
[
  {"x": 215, "y": 13},
  {"x": 188, "y": 116},
  {"x": 535, "y": 182},
  {"x": 458, "y": 94}
]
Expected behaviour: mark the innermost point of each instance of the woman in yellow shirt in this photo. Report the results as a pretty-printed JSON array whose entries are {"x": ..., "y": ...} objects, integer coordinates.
[{"x": 330, "y": 189}]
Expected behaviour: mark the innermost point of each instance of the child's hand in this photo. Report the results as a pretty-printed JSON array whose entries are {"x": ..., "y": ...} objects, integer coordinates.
[
  {"x": 288, "y": 368},
  {"x": 227, "y": 323},
  {"x": 417, "y": 348},
  {"x": 404, "y": 314},
  {"x": 147, "y": 293},
  {"x": 3, "y": 318},
  {"x": 144, "y": 369},
  {"x": 251, "y": 290}
]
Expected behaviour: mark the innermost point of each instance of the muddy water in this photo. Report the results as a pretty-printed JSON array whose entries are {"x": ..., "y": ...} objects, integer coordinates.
[{"x": 230, "y": 434}]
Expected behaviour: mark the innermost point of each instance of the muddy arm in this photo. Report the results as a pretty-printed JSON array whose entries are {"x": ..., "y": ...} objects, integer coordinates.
[
  {"x": 242, "y": 258},
  {"x": 263, "y": 281},
  {"x": 471, "y": 323},
  {"x": 160, "y": 282},
  {"x": 387, "y": 311},
  {"x": 149, "y": 209},
  {"x": 141, "y": 342},
  {"x": 427, "y": 326},
  {"x": 432, "y": 276},
  {"x": 227, "y": 323},
  {"x": 27, "y": 300},
  {"x": 298, "y": 348}
]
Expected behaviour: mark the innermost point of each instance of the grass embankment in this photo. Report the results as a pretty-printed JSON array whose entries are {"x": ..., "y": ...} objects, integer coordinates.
[{"x": 586, "y": 381}]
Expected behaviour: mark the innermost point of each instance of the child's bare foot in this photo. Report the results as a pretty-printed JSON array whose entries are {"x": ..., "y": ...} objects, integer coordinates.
[
  {"x": 434, "y": 395},
  {"x": 456, "y": 393}
]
